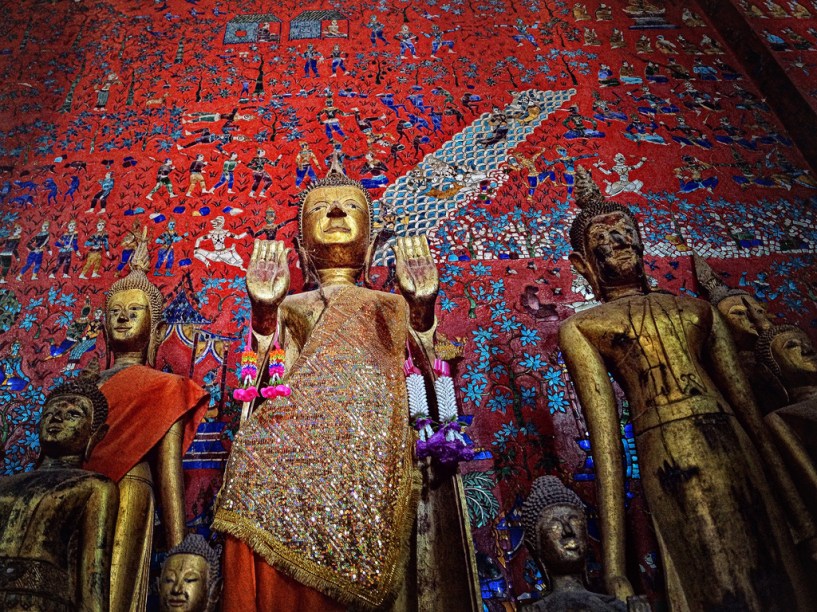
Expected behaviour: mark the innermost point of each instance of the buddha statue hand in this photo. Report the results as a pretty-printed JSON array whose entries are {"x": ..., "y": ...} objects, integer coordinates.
[
  {"x": 417, "y": 278},
  {"x": 619, "y": 587},
  {"x": 267, "y": 283}
]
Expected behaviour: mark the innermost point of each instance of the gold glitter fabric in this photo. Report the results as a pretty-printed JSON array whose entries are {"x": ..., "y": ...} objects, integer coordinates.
[{"x": 320, "y": 484}]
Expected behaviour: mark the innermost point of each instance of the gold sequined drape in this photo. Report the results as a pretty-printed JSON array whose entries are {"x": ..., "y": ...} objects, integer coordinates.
[{"x": 320, "y": 484}]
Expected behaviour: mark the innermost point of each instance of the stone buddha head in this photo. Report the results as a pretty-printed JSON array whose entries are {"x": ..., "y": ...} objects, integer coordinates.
[
  {"x": 134, "y": 320},
  {"x": 555, "y": 527},
  {"x": 607, "y": 247},
  {"x": 745, "y": 317},
  {"x": 73, "y": 419},
  {"x": 335, "y": 222},
  {"x": 788, "y": 353},
  {"x": 190, "y": 580}
]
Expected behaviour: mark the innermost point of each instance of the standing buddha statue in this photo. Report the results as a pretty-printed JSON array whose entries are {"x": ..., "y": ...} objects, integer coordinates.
[
  {"x": 699, "y": 436},
  {"x": 320, "y": 496},
  {"x": 787, "y": 369},
  {"x": 153, "y": 418}
]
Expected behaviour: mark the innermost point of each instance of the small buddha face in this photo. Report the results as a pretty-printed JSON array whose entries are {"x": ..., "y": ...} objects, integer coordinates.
[
  {"x": 745, "y": 317},
  {"x": 128, "y": 323},
  {"x": 66, "y": 425},
  {"x": 794, "y": 354},
  {"x": 183, "y": 584},
  {"x": 335, "y": 219},
  {"x": 561, "y": 539},
  {"x": 614, "y": 250}
]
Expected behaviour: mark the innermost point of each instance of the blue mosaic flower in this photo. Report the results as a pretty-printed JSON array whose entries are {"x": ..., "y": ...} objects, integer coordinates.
[
  {"x": 529, "y": 336},
  {"x": 532, "y": 362}
]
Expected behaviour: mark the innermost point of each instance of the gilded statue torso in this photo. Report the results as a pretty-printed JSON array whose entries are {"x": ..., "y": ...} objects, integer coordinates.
[
  {"x": 653, "y": 345},
  {"x": 41, "y": 509}
]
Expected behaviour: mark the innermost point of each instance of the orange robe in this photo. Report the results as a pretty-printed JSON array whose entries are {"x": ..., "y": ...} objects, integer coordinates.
[
  {"x": 250, "y": 583},
  {"x": 144, "y": 404}
]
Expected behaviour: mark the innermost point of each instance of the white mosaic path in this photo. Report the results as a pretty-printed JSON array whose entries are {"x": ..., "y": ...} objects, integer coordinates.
[{"x": 421, "y": 213}]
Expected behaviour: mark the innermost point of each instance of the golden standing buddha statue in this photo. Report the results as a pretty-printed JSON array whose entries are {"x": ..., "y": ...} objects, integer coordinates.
[
  {"x": 320, "y": 490},
  {"x": 153, "y": 418},
  {"x": 57, "y": 522},
  {"x": 190, "y": 579},
  {"x": 723, "y": 539}
]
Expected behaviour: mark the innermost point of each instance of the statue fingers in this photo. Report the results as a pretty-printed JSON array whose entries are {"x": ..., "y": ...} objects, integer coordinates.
[
  {"x": 399, "y": 251},
  {"x": 274, "y": 250},
  {"x": 256, "y": 247},
  {"x": 411, "y": 247},
  {"x": 422, "y": 246},
  {"x": 283, "y": 255}
]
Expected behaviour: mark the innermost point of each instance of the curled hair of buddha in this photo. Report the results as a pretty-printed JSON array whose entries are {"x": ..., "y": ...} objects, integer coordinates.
[
  {"x": 710, "y": 283},
  {"x": 763, "y": 346},
  {"x": 592, "y": 204},
  {"x": 546, "y": 491},
  {"x": 195, "y": 544},
  {"x": 84, "y": 386}
]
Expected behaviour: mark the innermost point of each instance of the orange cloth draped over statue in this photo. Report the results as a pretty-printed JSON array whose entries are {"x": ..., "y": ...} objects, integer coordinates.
[
  {"x": 144, "y": 404},
  {"x": 250, "y": 583}
]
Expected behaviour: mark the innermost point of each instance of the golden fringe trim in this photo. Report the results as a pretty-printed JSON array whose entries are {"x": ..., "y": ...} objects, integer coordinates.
[{"x": 323, "y": 579}]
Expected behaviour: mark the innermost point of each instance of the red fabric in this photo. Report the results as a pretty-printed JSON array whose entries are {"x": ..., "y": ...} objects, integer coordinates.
[
  {"x": 143, "y": 405},
  {"x": 250, "y": 583}
]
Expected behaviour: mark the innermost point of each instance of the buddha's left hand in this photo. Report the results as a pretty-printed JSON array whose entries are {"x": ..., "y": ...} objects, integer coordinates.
[{"x": 417, "y": 278}]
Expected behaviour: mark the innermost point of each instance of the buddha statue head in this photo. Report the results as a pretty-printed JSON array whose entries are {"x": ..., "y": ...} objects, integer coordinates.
[
  {"x": 134, "y": 321},
  {"x": 73, "y": 420},
  {"x": 190, "y": 580},
  {"x": 555, "y": 527},
  {"x": 607, "y": 247},
  {"x": 745, "y": 317},
  {"x": 788, "y": 353},
  {"x": 335, "y": 222}
]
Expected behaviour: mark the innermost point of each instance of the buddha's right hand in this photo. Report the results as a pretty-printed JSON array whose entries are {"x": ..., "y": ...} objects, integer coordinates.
[
  {"x": 267, "y": 283},
  {"x": 619, "y": 587}
]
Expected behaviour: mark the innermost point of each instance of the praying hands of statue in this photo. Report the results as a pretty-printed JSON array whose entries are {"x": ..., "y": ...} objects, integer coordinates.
[
  {"x": 267, "y": 283},
  {"x": 418, "y": 279}
]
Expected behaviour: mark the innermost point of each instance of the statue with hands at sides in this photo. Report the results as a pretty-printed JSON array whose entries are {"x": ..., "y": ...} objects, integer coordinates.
[{"x": 704, "y": 453}]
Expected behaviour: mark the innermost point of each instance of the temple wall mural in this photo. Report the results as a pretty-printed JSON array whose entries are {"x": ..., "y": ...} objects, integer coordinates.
[{"x": 197, "y": 123}]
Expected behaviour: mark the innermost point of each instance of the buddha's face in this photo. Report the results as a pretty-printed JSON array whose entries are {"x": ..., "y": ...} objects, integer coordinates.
[
  {"x": 183, "y": 583},
  {"x": 745, "y": 317},
  {"x": 795, "y": 356},
  {"x": 128, "y": 323},
  {"x": 66, "y": 425},
  {"x": 335, "y": 225},
  {"x": 561, "y": 539},
  {"x": 614, "y": 250}
]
